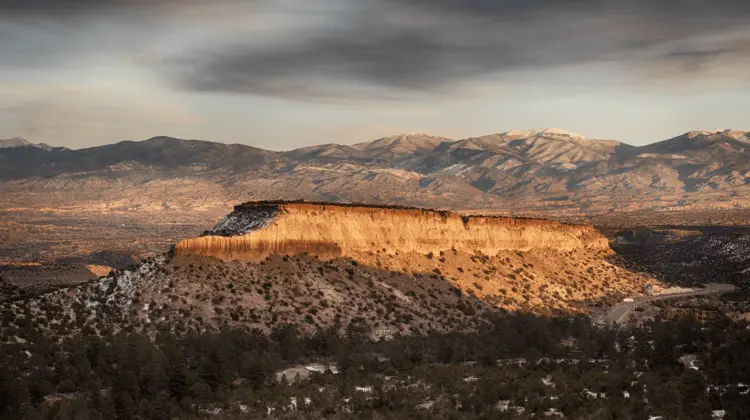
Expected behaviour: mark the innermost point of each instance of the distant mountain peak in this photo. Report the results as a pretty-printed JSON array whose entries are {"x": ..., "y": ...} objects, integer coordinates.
[
  {"x": 406, "y": 142},
  {"x": 730, "y": 132},
  {"x": 412, "y": 137},
  {"x": 550, "y": 170},
  {"x": 162, "y": 138},
  {"x": 19, "y": 142},
  {"x": 15, "y": 142},
  {"x": 412, "y": 134},
  {"x": 544, "y": 132}
]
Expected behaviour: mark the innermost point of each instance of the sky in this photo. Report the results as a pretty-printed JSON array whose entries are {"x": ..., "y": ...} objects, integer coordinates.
[{"x": 283, "y": 74}]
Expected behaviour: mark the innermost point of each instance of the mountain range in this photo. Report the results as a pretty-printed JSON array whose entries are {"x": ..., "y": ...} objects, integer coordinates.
[
  {"x": 534, "y": 171},
  {"x": 19, "y": 142}
]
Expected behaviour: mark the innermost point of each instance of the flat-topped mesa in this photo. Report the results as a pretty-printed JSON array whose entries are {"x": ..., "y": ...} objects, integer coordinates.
[{"x": 257, "y": 229}]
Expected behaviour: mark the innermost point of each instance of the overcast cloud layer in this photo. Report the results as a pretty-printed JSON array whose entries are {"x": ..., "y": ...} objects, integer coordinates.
[
  {"x": 319, "y": 55},
  {"x": 425, "y": 45}
]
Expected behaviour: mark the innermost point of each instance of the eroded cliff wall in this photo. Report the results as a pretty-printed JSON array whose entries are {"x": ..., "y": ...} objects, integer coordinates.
[{"x": 255, "y": 230}]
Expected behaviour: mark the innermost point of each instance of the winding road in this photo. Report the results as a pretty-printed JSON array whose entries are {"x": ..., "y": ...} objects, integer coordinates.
[{"x": 620, "y": 312}]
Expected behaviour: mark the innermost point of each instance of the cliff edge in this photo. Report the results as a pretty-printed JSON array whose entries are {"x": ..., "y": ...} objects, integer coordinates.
[{"x": 255, "y": 230}]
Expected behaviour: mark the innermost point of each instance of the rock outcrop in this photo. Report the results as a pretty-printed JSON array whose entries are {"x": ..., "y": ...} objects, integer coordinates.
[
  {"x": 257, "y": 229},
  {"x": 394, "y": 270}
]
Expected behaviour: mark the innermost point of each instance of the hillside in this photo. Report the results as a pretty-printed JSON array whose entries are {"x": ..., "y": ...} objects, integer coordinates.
[
  {"x": 545, "y": 172},
  {"x": 394, "y": 270}
]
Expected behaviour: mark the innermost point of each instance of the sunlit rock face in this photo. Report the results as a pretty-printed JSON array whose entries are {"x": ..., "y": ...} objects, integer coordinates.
[{"x": 255, "y": 230}]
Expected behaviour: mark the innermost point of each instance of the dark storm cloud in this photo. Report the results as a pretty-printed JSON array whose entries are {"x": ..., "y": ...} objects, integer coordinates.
[
  {"x": 73, "y": 12},
  {"x": 690, "y": 62},
  {"x": 398, "y": 58},
  {"x": 45, "y": 33},
  {"x": 533, "y": 7},
  {"x": 52, "y": 7},
  {"x": 700, "y": 54},
  {"x": 409, "y": 45},
  {"x": 427, "y": 44}
]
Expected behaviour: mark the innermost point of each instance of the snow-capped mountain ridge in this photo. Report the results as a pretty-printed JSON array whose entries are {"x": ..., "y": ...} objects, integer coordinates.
[
  {"x": 543, "y": 132},
  {"x": 20, "y": 142},
  {"x": 532, "y": 169}
]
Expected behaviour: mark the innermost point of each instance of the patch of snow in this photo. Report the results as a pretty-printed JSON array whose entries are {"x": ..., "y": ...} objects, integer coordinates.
[
  {"x": 550, "y": 132},
  {"x": 724, "y": 246},
  {"x": 365, "y": 389},
  {"x": 399, "y": 173},
  {"x": 517, "y": 362},
  {"x": 215, "y": 411},
  {"x": 455, "y": 169},
  {"x": 503, "y": 405},
  {"x": 553, "y": 412},
  {"x": 743, "y": 389},
  {"x": 718, "y": 388},
  {"x": 565, "y": 166},
  {"x": 594, "y": 395},
  {"x": 322, "y": 368},
  {"x": 426, "y": 405},
  {"x": 666, "y": 156}
]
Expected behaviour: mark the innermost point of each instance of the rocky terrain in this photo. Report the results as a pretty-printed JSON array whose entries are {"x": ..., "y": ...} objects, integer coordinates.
[
  {"x": 393, "y": 270},
  {"x": 255, "y": 230},
  {"x": 293, "y": 275},
  {"x": 533, "y": 172},
  {"x": 320, "y": 310}
]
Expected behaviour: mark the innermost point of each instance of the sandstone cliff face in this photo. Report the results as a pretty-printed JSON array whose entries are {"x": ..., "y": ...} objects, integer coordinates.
[{"x": 255, "y": 230}]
